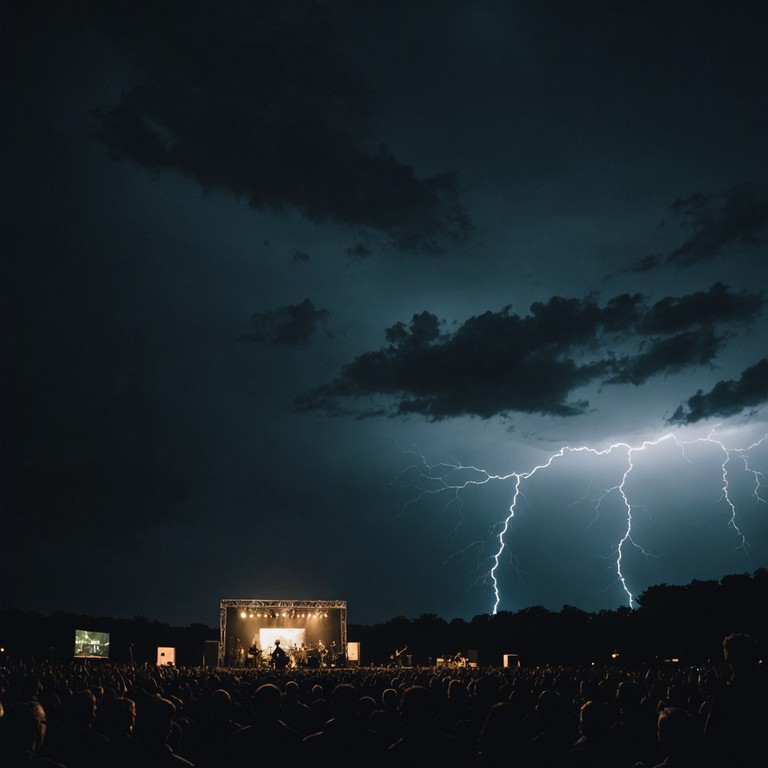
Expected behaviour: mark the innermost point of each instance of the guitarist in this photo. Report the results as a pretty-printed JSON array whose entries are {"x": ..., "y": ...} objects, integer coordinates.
[{"x": 397, "y": 656}]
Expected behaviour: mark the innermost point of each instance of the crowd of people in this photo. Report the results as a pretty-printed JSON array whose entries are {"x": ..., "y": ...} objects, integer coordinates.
[{"x": 141, "y": 716}]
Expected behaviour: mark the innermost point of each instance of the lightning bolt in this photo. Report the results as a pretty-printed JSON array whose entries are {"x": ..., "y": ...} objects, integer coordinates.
[{"x": 451, "y": 479}]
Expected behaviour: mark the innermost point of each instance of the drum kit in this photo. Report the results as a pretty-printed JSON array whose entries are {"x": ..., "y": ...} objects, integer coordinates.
[{"x": 313, "y": 656}]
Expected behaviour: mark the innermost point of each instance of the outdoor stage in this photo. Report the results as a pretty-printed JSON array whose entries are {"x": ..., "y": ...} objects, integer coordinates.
[{"x": 312, "y": 632}]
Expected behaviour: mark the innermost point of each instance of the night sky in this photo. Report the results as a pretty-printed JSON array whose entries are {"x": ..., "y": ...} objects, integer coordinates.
[{"x": 300, "y": 298}]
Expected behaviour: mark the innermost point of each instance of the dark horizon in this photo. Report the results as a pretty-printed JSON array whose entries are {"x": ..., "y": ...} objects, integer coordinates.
[{"x": 695, "y": 619}]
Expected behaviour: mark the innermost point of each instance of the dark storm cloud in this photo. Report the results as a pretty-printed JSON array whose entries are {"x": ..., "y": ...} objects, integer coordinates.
[
  {"x": 691, "y": 320},
  {"x": 647, "y": 263},
  {"x": 359, "y": 251},
  {"x": 738, "y": 217},
  {"x": 726, "y": 398},
  {"x": 264, "y": 100},
  {"x": 494, "y": 363},
  {"x": 681, "y": 351},
  {"x": 293, "y": 325},
  {"x": 498, "y": 362},
  {"x": 716, "y": 305}
]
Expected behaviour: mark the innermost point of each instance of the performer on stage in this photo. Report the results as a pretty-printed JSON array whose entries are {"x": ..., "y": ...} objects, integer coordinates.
[
  {"x": 279, "y": 656},
  {"x": 397, "y": 656},
  {"x": 239, "y": 654}
]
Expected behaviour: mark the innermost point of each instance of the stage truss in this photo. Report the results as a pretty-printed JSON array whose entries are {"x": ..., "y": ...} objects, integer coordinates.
[{"x": 278, "y": 606}]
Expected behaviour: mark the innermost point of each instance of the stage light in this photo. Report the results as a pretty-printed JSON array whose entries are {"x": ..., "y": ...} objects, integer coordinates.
[{"x": 242, "y": 614}]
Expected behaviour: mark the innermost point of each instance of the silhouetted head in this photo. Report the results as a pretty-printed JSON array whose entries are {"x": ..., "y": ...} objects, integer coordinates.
[
  {"x": 457, "y": 692},
  {"x": 389, "y": 698},
  {"x": 741, "y": 652},
  {"x": 629, "y": 694},
  {"x": 119, "y": 714},
  {"x": 417, "y": 708},
  {"x": 221, "y": 701},
  {"x": 82, "y": 708},
  {"x": 594, "y": 718},
  {"x": 676, "y": 731},
  {"x": 345, "y": 700},
  {"x": 154, "y": 719},
  {"x": 550, "y": 709},
  {"x": 23, "y": 726},
  {"x": 266, "y": 701}
]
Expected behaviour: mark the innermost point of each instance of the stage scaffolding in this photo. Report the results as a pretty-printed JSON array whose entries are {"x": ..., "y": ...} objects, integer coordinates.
[{"x": 279, "y": 606}]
